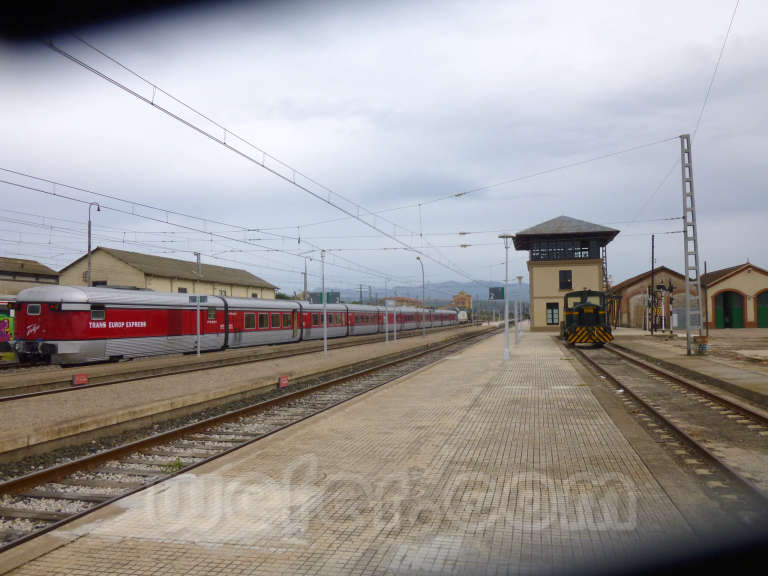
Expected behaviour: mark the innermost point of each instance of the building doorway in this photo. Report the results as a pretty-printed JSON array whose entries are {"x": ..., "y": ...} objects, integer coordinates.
[
  {"x": 729, "y": 310},
  {"x": 762, "y": 310}
]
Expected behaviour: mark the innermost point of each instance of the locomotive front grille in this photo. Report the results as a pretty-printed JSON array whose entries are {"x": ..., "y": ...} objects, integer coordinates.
[{"x": 589, "y": 334}]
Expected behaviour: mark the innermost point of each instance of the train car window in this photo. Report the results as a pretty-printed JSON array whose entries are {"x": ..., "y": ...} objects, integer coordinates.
[
  {"x": 315, "y": 319},
  {"x": 275, "y": 320},
  {"x": 98, "y": 314},
  {"x": 250, "y": 321},
  {"x": 33, "y": 309},
  {"x": 263, "y": 320},
  {"x": 287, "y": 321},
  {"x": 211, "y": 313}
]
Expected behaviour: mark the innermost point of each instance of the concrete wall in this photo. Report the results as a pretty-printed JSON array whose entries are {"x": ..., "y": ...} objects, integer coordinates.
[
  {"x": 748, "y": 283},
  {"x": 545, "y": 285},
  {"x": 103, "y": 267}
]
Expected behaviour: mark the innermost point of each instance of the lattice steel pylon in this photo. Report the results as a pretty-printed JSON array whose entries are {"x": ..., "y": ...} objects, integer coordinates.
[{"x": 690, "y": 238}]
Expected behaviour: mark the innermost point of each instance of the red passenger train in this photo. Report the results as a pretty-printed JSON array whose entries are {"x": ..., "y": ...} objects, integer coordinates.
[{"x": 73, "y": 325}]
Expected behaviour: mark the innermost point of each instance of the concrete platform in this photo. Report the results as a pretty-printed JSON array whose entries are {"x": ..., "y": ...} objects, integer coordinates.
[
  {"x": 472, "y": 465},
  {"x": 36, "y": 420}
]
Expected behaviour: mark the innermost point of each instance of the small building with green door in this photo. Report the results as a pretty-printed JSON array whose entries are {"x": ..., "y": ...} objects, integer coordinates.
[{"x": 737, "y": 297}]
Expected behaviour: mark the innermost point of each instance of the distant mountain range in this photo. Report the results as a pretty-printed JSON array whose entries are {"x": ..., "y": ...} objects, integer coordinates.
[{"x": 437, "y": 293}]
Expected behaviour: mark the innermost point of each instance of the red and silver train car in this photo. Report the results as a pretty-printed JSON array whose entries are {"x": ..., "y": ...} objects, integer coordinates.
[{"x": 72, "y": 325}]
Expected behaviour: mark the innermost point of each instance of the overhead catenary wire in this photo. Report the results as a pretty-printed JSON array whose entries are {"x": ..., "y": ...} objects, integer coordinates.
[
  {"x": 701, "y": 111},
  {"x": 59, "y": 194},
  {"x": 293, "y": 176}
]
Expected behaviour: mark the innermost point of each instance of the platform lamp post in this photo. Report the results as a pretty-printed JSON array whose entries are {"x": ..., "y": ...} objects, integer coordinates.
[
  {"x": 386, "y": 311},
  {"x": 325, "y": 308},
  {"x": 197, "y": 301},
  {"x": 517, "y": 309},
  {"x": 423, "y": 326},
  {"x": 98, "y": 209},
  {"x": 506, "y": 238}
]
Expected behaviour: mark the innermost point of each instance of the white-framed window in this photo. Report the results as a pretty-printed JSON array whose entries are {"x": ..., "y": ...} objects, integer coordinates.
[{"x": 553, "y": 313}]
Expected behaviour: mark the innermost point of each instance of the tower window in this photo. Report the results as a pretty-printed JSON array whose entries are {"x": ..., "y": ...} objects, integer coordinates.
[{"x": 566, "y": 282}]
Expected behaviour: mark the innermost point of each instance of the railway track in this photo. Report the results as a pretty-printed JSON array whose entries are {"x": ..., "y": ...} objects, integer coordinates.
[
  {"x": 41, "y": 501},
  {"x": 60, "y": 384},
  {"x": 722, "y": 442}
]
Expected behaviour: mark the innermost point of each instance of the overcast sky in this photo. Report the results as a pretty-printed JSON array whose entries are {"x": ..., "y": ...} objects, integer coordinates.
[{"x": 395, "y": 104}]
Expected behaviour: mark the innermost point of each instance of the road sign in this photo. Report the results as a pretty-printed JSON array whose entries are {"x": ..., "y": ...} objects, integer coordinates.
[
  {"x": 331, "y": 298},
  {"x": 196, "y": 299},
  {"x": 496, "y": 293}
]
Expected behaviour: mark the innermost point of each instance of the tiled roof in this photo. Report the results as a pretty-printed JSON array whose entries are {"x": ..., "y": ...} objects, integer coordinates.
[
  {"x": 566, "y": 225},
  {"x": 629, "y": 281},
  {"x": 21, "y": 266},
  {"x": 186, "y": 270}
]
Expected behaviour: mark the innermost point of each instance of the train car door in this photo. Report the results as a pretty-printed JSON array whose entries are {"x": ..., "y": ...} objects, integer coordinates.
[
  {"x": 175, "y": 322},
  {"x": 295, "y": 324}
]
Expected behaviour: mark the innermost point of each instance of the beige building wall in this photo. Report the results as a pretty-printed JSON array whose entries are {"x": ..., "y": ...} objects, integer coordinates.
[
  {"x": 103, "y": 267},
  {"x": 749, "y": 283},
  {"x": 545, "y": 285},
  {"x": 13, "y": 287},
  {"x": 634, "y": 299}
]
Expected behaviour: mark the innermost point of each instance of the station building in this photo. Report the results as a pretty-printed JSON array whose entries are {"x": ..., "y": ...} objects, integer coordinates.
[
  {"x": 462, "y": 300},
  {"x": 736, "y": 297},
  {"x": 124, "y": 269},
  {"x": 632, "y": 297},
  {"x": 16, "y": 274},
  {"x": 565, "y": 254}
]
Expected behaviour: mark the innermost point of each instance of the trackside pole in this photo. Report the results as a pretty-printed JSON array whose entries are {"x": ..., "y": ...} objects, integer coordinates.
[
  {"x": 325, "y": 310},
  {"x": 395, "y": 322},
  {"x": 506, "y": 238},
  {"x": 197, "y": 305},
  {"x": 386, "y": 323},
  {"x": 517, "y": 310}
]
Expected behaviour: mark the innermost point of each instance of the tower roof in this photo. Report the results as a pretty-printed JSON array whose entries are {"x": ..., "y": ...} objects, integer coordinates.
[{"x": 564, "y": 226}]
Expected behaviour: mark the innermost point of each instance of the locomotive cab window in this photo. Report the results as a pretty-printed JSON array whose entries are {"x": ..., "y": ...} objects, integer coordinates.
[
  {"x": 250, "y": 321},
  {"x": 275, "y": 320},
  {"x": 565, "y": 280},
  {"x": 553, "y": 313},
  {"x": 98, "y": 314},
  {"x": 33, "y": 309}
]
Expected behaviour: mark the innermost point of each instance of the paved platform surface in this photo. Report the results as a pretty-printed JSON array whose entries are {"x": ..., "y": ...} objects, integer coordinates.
[
  {"x": 749, "y": 376},
  {"x": 472, "y": 465},
  {"x": 43, "y": 418}
]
